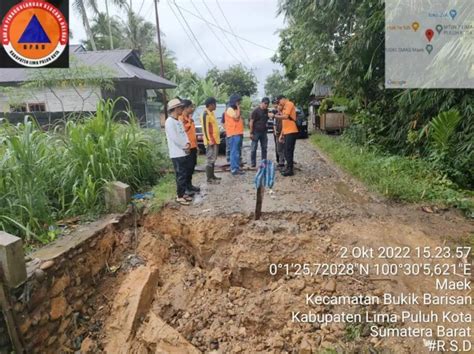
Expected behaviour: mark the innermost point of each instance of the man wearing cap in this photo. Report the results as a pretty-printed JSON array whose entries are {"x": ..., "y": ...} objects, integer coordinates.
[
  {"x": 289, "y": 132},
  {"x": 211, "y": 138},
  {"x": 179, "y": 149},
  {"x": 258, "y": 130}
]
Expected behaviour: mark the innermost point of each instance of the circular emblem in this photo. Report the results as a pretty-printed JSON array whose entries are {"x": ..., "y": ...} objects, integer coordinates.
[{"x": 34, "y": 33}]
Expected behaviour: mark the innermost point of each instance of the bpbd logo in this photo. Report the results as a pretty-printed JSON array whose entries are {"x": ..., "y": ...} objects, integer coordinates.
[{"x": 34, "y": 34}]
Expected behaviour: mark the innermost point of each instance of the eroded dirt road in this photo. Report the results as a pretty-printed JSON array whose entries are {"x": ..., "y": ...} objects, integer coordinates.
[{"x": 205, "y": 284}]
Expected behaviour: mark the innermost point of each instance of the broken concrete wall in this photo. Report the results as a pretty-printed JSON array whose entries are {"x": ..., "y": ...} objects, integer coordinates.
[{"x": 62, "y": 277}]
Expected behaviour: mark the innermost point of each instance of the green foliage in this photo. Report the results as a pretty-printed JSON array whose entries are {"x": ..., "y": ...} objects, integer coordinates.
[
  {"x": 163, "y": 192},
  {"x": 198, "y": 90},
  {"x": 397, "y": 177},
  {"x": 246, "y": 107},
  {"x": 353, "y": 331},
  {"x": 441, "y": 129},
  {"x": 45, "y": 176},
  {"x": 276, "y": 84},
  {"x": 326, "y": 105},
  {"x": 235, "y": 79},
  {"x": 100, "y": 31},
  {"x": 151, "y": 62},
  {"x": 139, "y": 34}
]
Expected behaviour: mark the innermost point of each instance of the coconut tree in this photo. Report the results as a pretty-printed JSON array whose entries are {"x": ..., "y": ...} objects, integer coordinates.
[
  {"x": 138, "y": 32},
  {"x": 80, "y": 7},
  {"x": 120, "y": 4},
  {"x": 100, "y": 28}
]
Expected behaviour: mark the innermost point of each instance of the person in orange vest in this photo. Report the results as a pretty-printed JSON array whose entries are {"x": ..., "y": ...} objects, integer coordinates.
[
  {"x": 289, "y": 132},
  {"x": 190, "y": 128},
  {"x": 234, "y": 128}
]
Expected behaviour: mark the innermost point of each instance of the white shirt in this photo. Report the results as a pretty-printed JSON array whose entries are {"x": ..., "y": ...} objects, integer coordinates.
[{"x": 176, "y": 137}]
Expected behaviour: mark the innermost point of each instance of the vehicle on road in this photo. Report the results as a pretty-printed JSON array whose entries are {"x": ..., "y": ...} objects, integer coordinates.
[{"x": 220, "y": 109}]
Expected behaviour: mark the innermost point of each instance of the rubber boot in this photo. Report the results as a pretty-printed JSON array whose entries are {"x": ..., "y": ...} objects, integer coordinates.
[
  {"x": 210, "y": 175},
  {"x": 287, "y": 172},
  {"x": 214, "y": 177}
]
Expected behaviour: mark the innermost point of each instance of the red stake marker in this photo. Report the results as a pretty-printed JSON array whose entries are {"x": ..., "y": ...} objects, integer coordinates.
[{"x": 429, "y": 34}]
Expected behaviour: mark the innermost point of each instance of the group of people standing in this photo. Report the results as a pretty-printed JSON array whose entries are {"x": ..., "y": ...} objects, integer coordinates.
[
  {"x": 285, "y": 132},
  {"x": 182, "y": 139}
]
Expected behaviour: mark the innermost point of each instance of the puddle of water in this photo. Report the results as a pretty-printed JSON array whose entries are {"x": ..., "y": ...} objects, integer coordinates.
[{"x": 344, "y": 190}]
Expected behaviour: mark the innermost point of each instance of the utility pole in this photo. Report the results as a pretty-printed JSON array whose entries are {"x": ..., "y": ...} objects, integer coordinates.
[{"x": 160, "y": 48}]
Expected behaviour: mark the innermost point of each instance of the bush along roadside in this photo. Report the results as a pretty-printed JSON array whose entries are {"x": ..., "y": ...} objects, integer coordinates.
[
  {"x": 397, "y": 177},
  {"x": 48, "y": 176}
]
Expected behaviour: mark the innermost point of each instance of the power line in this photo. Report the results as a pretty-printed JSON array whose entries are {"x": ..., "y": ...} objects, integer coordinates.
[
  {"x": 215, "y": 35},
  {"x": 232, "y": 30},
  {"x": 186, "y": 32},
  {"x": 192, "y": 33},
  {"x": 224, "y": 30},
  {"x": 216, "y": 21},
  {"x": 141, "y": 7}
]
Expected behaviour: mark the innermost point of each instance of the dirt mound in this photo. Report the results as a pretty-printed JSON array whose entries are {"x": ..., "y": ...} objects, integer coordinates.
[{"x": 216, "y": 291}]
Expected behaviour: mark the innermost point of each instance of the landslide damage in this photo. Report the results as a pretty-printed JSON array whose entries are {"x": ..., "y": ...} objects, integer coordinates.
[{"x": 202, "y": 284}]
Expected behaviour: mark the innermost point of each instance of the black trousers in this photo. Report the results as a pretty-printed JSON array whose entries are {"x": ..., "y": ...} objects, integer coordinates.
[
  {"x": 279, "y": 150},
  {"x": 192, "y": 165},
  {"x": 181, "y": 169},
  {"x": 290, "y": 144},
  {"x": 275, "y": 138}
]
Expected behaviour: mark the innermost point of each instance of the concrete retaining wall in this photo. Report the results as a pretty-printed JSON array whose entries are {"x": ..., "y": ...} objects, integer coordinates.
[{"x": 61, "y": 278}]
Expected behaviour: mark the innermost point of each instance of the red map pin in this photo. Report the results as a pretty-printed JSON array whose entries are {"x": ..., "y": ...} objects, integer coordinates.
[{"x": 429, "y": 34}]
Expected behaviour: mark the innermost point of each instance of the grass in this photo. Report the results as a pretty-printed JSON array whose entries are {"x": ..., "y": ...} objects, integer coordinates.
[
  {"x": 396, "y": 177},
  {"x": 48, "y": 176},
  {"x": 163, "y": 192}
]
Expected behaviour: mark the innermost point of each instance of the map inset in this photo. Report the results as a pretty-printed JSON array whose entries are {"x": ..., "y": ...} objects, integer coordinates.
[{"x": 429, "y": 44}]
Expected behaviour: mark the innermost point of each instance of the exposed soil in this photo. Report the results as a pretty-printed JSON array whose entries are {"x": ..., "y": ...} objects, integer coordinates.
[{"x": 199, "y": 280}]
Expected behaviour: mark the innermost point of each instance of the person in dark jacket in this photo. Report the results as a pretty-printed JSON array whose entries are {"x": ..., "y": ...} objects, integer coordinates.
[{"x": 258, "y": 130}]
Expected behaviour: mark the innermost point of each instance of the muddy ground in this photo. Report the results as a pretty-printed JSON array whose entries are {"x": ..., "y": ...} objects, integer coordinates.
[{"x": 199, "y": 279}]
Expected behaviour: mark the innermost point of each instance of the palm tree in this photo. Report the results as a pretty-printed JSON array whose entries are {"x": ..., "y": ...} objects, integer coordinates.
[
  {"x": 120, "y": 4},
  {"x": 139, "y": 33},
  {"x": 80, "y": 7},
  {"x": 100, "y": 29}
]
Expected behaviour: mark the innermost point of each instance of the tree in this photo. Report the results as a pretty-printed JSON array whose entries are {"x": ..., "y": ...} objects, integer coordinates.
[
  {"x": 235, "y": 79},
  {"x": 80, "y": 7},
  {"x": 139, "y": 34},
  {"x": 276, "y": 84},
  {"x": 100, "y": 29},
  {"x": 151, "y": 61},
  {"x": 119, "y": 3}
]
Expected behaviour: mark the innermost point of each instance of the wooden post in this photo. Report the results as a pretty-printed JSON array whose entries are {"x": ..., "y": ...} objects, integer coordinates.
[
  {"x": 258, "y": 206},
  {"x": 9, "y": 316}
]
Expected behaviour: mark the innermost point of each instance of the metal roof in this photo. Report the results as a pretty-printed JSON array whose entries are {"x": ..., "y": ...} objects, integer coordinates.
[
  {"x": 124, "y": 65},
  {"x": 321, "y": 90}
]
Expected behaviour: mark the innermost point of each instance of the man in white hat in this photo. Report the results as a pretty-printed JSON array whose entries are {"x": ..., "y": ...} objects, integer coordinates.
[{"x": 179, "y": 149}]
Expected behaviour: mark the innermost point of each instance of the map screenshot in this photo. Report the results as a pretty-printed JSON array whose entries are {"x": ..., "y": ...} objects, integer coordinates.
[{"x": 429, "y": 44}]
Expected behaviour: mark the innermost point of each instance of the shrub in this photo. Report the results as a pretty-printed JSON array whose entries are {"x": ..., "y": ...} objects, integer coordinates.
[{"x": 45, "y": 176}]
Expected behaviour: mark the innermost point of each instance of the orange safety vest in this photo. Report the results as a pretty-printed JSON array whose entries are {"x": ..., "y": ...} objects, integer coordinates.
[
  {"x": 289, "y": 125},
  {"x": 232, "y": 126},
  {"x": 190, "y": 129}
]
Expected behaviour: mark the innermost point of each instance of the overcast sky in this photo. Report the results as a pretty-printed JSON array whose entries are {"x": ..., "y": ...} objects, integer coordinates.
[{"x": 255, "y": 20}]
